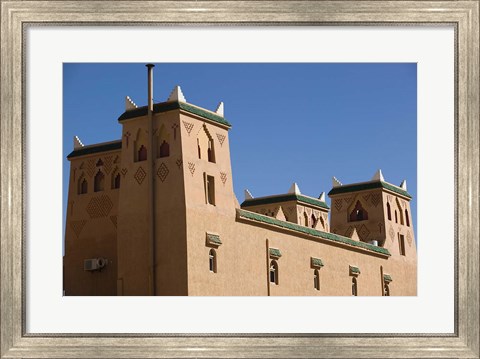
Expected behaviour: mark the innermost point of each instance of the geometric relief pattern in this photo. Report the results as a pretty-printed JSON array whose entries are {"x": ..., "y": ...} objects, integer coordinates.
[
  {"x": 349, "y": 231},
  {"x": 375, "y": 199},
  {"x": 162, "y": 172},
  {"x": 191, "y": 167},
  {"x": 391, "y": 232},
  {"x": 338, "y": 204},
  {"x": 221, "y": 138},
  {"x": 99, "y": 206},
  {"x": 77, "y": 226},
  {"x": 366, "y": 197},
  {"x": 114, "y": 220},
  {"x": 188, "y": 126},
  {"x": 124, "y": 172},
  {"x": 363, "y": 232},
  {"x": 107, "y": 166},
  {"x": 409, "y": 238},
  {"x": 140, "y": 175},
  {"x": 90, "y": 167},
  {"x": 348, "y": 200},
  {"x": 179, "y": 162},
  {"x": 223, "y": 177},
  {"x": 291, "y": 210}
]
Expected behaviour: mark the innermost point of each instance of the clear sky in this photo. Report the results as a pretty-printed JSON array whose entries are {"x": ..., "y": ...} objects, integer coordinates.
[{"x": 291, "y": 122}]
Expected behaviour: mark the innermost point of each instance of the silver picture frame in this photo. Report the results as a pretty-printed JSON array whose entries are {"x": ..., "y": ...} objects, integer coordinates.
[{"x": 16, "y": 16}]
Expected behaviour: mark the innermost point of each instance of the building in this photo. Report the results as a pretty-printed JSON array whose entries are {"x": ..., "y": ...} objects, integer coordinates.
[{"x": 154, "y": 213}]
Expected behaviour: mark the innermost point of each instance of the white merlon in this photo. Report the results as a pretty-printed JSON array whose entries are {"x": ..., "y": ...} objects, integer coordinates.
[
  {"x": 248, "y": 195},
  {"x": 378, "y": 176},
  {"x": 322, "y": 197},
  {"x": 176, "y": 95},
  {"x": 77, "y": 143},
  {"x": 219, "y": 110},
  {"x": 279, "y": 214},
  {"x": 403, "y": 185},
  {"x": 336, "y": 182},
  {"x": 294, "y": 189},
  {"x": 129, "y": 104},
  {"x": 354, "y": 235}
]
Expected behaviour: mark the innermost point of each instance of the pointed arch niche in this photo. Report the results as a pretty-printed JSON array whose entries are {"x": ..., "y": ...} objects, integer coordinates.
[
  {"x": 140, "y": 146},
  {"x": 163, "y": 142},
  {"x": 206, "y": 146},
  {"x": 358, "y": 213}
]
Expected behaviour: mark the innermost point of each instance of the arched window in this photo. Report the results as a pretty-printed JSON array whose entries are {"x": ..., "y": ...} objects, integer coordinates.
[
  {"x": 407, "y": 219},
  {"x": 115, "y": 180},
  {"x": 354, "y": 287},
  {"x": 386, "y": 290},
  {"x": 305, "y": 219},
  {"x": 164, "y": 149},
  {"x": 314, "y": 220},
  {"x": 396, "y": 217},
  {"x": 389, "y": 213},
  {"x": 212, "y": 260},
  {"x": 211, "y": 152},
  {"x": 205, "y": 145},
  {"x": 142, "y": 154},
  {"x": 199, "y": 150},
  {"x": 99, "y": 182},
  {"x": 358, "y": 213},
  {"x": 273, "y": 272},
  {"x": 316, "y": 279},
  {"x": 82, "y": 185},
  {"x": 99, "y": 163},
  {"x": 400, "y": 212}
]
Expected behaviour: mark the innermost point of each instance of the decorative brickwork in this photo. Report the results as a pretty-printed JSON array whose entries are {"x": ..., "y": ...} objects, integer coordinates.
[
  {"x": 127, "y": 136},
  {"x": 348, "y": 200},
  {"x": 191, "y": 167},
  {"x": 363, "y": 232},
  {"x": 107, "y": 164},
  {"x": 90, "y": 167},
  {"x": 366, "y": 197},
  {"x": 99, "y": 206},
  {"x": 117, "y": 159},
  {"x": 221, "y": 138},
  {"x": 376, "y": 199},
  {"x": 349, "y": 231},
  {"x": 409, "y": 238},
  {"x": 140, "y": 175},
  {"x": 338, "y": 204},
  {"x": 223, "y": 177},
  {"x": 82, "y": 165},
  {"x": 380, "y": 227},
  {"x": 174, "y": 128},
  {"x": 124, "y": 172},
  {"x": 114, "y": 220},
  {"x": 162, "y": 172},
  {"x": 188, "y": 126},
  {"x": 179, "y": 163},
  {"x": 391, "y": 233},
  {"x": 77, "y": 226}
]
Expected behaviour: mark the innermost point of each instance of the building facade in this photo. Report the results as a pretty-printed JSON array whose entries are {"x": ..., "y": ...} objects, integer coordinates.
[{"x": 154, "y": 213}]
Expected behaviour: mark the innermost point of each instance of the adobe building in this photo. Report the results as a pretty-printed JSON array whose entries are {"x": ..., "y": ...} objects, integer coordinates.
[{"x": 154, "y": 213}]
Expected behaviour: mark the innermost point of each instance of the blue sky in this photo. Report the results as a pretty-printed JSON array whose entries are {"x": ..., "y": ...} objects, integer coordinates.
[{"x": 291, "y": 122}]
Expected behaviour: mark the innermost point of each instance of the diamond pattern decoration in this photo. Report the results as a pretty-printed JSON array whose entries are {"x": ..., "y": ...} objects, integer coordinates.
[
  {"x": 99, "y": 206},
  {"x": 191, "y": 167},
  {"x": 375, "y": 199},
  {"x": 179, "y": 162},
  {"x": 188, "y": 126},
  {"x": 363, "y": 232},
  {"x": 221, "y": 138},
  {"x": 338, "y": 204},
  {"x": 349, "y": 231},
  {"x": 140, "y": 175},
  {"x": 90, "y": 167},
  {"x": 114, "y": 220},
  {"x": 77, "y": 226},
  {"x": 162, "y": 172},
  {"x": 107, "y": 164},
  {"x": 223, "y": 177}
]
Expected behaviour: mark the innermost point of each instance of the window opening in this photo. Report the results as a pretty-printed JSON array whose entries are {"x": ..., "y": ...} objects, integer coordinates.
[
  {"x": 354, "y": 287},
  {"x": 99, "y": 182},
  {"x": 358, "y": 213},
  {"x": 273, "y": 272}
]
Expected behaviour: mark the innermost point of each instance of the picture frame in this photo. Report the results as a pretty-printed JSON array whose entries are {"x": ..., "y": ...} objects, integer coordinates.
[{"x": 16, "y": 15}]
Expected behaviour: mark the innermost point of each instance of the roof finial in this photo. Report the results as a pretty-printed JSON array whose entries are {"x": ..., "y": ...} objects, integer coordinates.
[
  {"x": 77, "y": 144},
  {"x": 378, "y": 176},
  {"x": 322, "y": 197},
  {"x": 248, "y": 195},
  {"x": 336, "y": 182},
  {"x": 176, "y": 95},
  {"x": 294, "y": 189},
  {"x": 219, "y": 110},
  {"x": 403, "y": 185},
  {"x": 129, "y": 104}
]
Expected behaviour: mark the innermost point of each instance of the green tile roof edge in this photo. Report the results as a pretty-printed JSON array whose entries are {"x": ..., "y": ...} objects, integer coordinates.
[
  {"x": 101, "y": 147},
  {"x": 275, "y": 252},
  {"x": 283, "y": 198},
  {"x": 310, "y": 231},
  {"x": 174, "y": 105},
  {"x": 366, "y": 186},
  {"x": 387, "y": 277},
  {"x": 215, "y": 238}
]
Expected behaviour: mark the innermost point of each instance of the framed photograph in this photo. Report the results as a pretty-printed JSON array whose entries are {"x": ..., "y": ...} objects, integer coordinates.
[{"x": 66, "y": 60}]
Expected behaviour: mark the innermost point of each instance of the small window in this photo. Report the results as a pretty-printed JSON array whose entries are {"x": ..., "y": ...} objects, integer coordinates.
[
  {"x": 210, "y": 189},
  {"x": 354, "y": 287},
  {"x": 386, "y": 290},
  {"x": 389, "y": 213},
  {"x": 116, "y": 180},
  {"x": 99, "y": 163},
  {"x": 212, "y": 260},
  {"x": 305, "y": 219},
  {"x": 316, "y": 279},
  {"x": 314, "y": 221},
  {"x": 82, "y": 185},
  {"x": 358, "y": 213},
  {"x": 401, "y": 243},
  {"x": 164, "y": 149},
  {"x": 142, "y": 153},
  {"x": 199, "y": 149},
  {"x": 396, "y": 217},
  {"x": 274, "y": 272},
  {"x": 99, "y": 182},
  {"x": 407, "y": 219},
  {"x": 211, "y": 152}
]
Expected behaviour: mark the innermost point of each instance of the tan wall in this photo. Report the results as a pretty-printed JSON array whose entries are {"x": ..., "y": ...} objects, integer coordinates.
[{"x": 91, "y": 228}]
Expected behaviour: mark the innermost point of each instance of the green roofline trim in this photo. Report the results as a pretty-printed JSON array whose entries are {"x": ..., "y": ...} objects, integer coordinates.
[
  {"x": 168, "y": 106},
  {"x": 367, "y": 186},
  {"x": 101, "y": 147},
  {"x": 284, "y": 198},
  {"x": 310, "y": 231}
]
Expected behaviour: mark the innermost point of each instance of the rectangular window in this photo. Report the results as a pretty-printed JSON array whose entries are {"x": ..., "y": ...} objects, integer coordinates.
[
  {"x": 401, "y": 243},
  {"x": 209, "y": 184}
]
